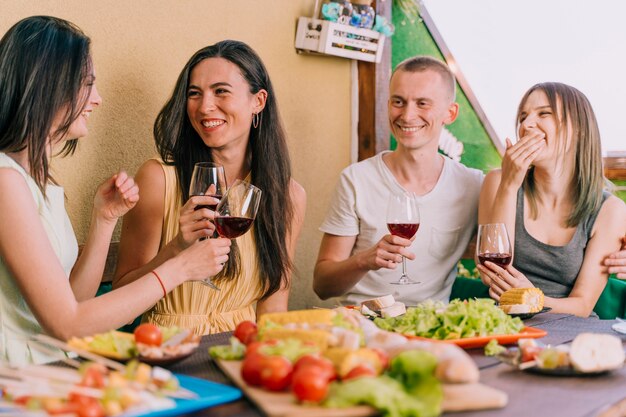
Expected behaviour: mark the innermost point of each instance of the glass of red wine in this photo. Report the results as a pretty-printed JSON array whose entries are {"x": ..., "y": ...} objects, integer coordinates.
[
  {"x": 493, "y": 244},
  {"x": 237, "y": 209},
  {"x": 403, "y": 219},
  {"x": 207, "y": 179}
]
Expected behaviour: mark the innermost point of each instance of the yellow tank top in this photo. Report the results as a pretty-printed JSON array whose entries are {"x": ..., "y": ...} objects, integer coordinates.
[{"x": 195, "y": 306}]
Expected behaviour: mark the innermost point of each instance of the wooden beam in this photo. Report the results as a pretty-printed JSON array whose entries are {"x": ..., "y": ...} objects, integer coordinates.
[{"x": 373, "y": 126}]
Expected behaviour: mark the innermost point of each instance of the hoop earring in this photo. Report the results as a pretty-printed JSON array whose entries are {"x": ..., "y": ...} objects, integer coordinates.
[{"x": 256, "y": 119}]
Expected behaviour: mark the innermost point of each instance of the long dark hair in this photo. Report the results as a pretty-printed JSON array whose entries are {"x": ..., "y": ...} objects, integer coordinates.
[
  {"x": 44, "y": 62},
  {"x": 180, "y": 145},
  {"x": 576, "y": 118}
]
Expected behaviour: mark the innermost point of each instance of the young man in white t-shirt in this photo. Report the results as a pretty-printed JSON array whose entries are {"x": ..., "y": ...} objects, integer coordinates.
[{"x": 358, "y": 258}]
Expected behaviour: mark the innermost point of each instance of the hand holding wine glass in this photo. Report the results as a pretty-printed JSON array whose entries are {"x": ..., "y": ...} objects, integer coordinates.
[
  {"x": 493, "y": 244},
  {"x": 403, "y": 219},
  {"x": 207, "y": 180}
]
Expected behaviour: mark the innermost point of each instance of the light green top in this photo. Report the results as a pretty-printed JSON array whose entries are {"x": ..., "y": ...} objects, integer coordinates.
[{"x": 16, "y": 319}]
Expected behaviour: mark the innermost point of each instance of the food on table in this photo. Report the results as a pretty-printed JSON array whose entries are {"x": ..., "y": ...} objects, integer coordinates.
[
  {"x": 457, "y": 320},
  {"x": 493, "y": 348},
  {"x": 246, "y": 332},
  {"x": 148, "y": 341},
  {"x": 92, "y": 390},
  {"x": 379, "y": 303},
  {"x": 322, "y": 327},
  {"x": 596, "y": 352},
  {"x": 522, "y": 300},
  {"x": 345, "y": 360},
  {"x": 409, "y": 389},
  {"x": 385, "y": 306},
  {"x": 454, "y": 365},
  {"x": 588, "y": 353}
]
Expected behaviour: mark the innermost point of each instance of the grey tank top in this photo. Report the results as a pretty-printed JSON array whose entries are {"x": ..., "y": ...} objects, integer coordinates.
[{"x": 553, "y": 269}]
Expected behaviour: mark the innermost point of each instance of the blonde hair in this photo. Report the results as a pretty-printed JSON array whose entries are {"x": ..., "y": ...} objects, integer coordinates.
[{"x": 573, "y": 111}]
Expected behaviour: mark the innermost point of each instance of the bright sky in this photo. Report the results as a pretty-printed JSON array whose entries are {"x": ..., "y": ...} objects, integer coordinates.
[{"x": 504, "y": 47}]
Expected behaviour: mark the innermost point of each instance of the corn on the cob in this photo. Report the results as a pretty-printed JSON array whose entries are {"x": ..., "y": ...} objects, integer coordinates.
[
  {"x": 312, "y": 316},
  {"x": 531, "y": 297}
]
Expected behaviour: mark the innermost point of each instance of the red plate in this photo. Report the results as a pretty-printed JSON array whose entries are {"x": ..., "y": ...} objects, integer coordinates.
[{"x": 479, "y": 341}]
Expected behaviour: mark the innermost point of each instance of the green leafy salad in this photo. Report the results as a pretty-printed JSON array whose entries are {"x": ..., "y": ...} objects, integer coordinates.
[{"x": 457, "y": 320}]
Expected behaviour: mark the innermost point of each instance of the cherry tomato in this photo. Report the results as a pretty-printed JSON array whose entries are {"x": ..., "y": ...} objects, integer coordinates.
[
  {"x": 251, "y": 368},
  {"x": 148, "y": 334},
  {"x": 276, "y": 373},
  {"x": 85, "y": 406},
  {"x": 91, "y": 409},
  {"x": 246, "y": 332},
  {"x": 310, "y": 360},
  {"x": 93, "y": 378},
  {"x": 310, "y": 383},
  {"x": 530, "y": 353},
  {"x": 360, "y": 371}
]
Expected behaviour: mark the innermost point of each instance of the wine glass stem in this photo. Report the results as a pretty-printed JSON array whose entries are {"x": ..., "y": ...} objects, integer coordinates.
[{"x": 404, "y": 276}]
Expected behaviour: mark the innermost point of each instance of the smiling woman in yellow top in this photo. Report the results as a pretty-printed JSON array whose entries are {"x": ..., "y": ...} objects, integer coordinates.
[{"x": 223, "y": 110}]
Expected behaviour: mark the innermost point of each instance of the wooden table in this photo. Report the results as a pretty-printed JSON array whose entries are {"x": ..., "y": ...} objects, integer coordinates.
[{"x": 529, "y": 394}]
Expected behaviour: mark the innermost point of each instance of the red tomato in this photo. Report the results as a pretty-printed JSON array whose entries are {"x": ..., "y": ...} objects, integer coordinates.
[
  {"x": 246, "y": 332},
  {"x": 310, "y": 383},
  {"x": 91, "y": 409},
  {"x": 530, "y": 353},
  {"x": 276, "y": 373},
  {"x": 360, "y": 371},
  {"x": 148, "y": 334},
  {"x": 251, "y": 368},
  {"x": 93, "y": 378},
  {"x": 85, "y": 406},
  {"x": 384, "y": 358},
  {"x": 310, "y": 360},
  {"x": 253, "y": 348}
]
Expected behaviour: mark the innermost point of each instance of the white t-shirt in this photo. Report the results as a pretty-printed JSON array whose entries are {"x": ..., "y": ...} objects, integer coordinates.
[{"x": 448, "y": 218}]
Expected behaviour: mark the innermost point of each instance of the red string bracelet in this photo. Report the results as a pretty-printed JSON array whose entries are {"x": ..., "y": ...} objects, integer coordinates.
[{"x": 160, "y": 282}]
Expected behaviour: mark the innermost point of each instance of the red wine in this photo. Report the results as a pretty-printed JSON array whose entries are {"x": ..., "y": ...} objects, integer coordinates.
[
  {"x": 500, "y": 259},
  {"x": 405, "y": 230},
  {"x": 208, "y": 206},
  {"x": 232, "y": 227}
]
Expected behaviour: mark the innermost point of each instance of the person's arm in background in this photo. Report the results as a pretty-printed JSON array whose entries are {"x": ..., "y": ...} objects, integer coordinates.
[
  {"x": 617, "y": 261},
  {"x": 336, "y": 271},
  {"x": 278, "y": 301}
]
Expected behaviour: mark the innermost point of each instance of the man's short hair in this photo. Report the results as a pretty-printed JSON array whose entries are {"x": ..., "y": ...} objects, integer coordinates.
[{"x": 421, "y": 63}]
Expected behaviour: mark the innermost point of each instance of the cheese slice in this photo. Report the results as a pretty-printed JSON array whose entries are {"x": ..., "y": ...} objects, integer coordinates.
[
  {"x": 376, "y": 304},
  {"x": 397, "y": 309}
]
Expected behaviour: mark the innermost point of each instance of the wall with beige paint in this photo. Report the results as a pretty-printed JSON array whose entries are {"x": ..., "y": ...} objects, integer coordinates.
[{"x": 139, "y": 48}]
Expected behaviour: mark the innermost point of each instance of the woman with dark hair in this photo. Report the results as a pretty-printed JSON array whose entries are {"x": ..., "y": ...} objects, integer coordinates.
[
  {"x": 549, "y": 194},
  {"x": 223, "y": 110},
  {"x": 47, "y": 93}
]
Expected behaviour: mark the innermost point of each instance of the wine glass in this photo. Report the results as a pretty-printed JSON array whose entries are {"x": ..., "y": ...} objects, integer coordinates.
[
  {"x": 403, "y": 219},
  {"x": 207, "y": 179},
  {"x": 493, "y": 244},
  {"x": 237, "y": 209}
]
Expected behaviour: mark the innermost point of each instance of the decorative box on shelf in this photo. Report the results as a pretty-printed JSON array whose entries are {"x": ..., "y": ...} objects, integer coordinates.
[{"x": 326, "y": 37}]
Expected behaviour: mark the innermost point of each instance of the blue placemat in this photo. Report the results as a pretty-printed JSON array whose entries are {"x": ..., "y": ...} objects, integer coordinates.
[{"x": 209, "y": 394}]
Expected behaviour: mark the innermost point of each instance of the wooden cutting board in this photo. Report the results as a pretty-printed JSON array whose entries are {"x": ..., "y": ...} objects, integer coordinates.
[{"x": 458, "y": 397}]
